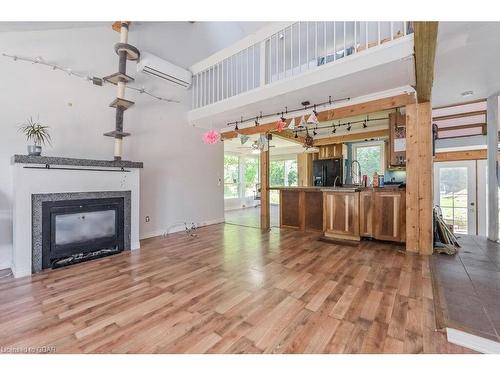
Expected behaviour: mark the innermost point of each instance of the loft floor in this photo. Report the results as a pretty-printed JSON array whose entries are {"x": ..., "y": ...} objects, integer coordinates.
[{"x": 230, "y": 290}]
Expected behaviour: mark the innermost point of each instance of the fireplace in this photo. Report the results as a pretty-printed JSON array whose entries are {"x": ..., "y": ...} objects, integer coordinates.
[
  {"x": 82, "y": 229},
  {"x": 70, "y": 228}
]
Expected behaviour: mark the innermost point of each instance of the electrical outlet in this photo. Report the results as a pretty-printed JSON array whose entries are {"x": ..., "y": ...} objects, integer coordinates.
[{"x": 147, "y": 219}]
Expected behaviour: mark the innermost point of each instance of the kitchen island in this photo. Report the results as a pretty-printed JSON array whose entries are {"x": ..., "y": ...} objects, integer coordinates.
[{"x": 345, "y": 213}]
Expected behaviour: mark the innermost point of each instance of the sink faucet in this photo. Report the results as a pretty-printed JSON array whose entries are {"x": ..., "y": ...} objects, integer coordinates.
[
  {"x": 353, "y": 174},
  {"x": 335, "y": 181}
]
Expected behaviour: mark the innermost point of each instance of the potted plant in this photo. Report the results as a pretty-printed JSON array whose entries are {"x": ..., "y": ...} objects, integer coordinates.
[{"x": 36, "y": 133}]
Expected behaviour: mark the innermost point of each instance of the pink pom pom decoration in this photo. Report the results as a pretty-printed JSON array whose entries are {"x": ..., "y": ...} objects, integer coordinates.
[
  {"x": 211, "y": 137},
  {"x": 280, "y": 125}
]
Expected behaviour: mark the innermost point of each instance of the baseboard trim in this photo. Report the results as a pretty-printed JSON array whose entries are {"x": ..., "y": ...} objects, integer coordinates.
[
  {"x": 467, "y": 340},
  {"x": 20, "y": 272},
  {"x": 179, "y": 228}
]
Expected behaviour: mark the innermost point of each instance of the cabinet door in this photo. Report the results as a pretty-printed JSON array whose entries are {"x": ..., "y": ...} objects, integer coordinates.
[
  {"x": 341, "y": 215},
  {"x": 389, "y": 216},
  {"x": 366, "y": 214}
]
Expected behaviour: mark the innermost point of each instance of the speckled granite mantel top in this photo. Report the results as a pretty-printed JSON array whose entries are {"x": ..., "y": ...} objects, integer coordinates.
[{"x": 55, "y": 160}]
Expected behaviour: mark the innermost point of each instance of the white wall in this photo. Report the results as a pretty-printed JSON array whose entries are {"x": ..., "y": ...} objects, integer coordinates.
[{"x": 180, "y": 178}]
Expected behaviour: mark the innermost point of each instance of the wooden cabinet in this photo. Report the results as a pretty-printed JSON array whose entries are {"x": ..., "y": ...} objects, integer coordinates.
[
  {"x": 382, "y": 214},
  {"x": 389, "y": 215},
  {"x": 366, "y": 213},
  {"x": 301, "y": 209},
  {"x": 341, "y": 215}
]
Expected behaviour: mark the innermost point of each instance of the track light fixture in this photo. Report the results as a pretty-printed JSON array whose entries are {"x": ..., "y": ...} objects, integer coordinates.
[
  {"x": 306, "y": 105},
  {"x": 348, "y": 126},
  {"x": 334, "y": 130},
  {"x": 314, "y": 132},
  {"x": 256, "y": 121},
  {"x": 236, "y": 127},
  {"x": 364, "y": 124},
  {"x": 296, "y": 135}
]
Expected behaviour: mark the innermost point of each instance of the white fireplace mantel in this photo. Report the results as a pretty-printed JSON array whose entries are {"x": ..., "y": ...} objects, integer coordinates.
[{"x": 76, "y": 178}]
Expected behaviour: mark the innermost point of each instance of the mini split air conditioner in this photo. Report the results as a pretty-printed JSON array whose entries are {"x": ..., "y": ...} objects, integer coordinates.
[{"x": 157, "y": 67}]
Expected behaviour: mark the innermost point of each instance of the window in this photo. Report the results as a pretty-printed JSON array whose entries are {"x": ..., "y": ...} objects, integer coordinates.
[
  {"x": 453, "y": 196},
  {"x": 241, "y": 174},
  {"x": 370, "y": 157},
  {"x": 251, "y": 172},
  {"x": 282, "y": 173},
  {"x": 231, "y": 176}
]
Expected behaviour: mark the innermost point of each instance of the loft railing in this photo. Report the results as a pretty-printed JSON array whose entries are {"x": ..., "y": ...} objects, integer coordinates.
[{"x": 298, "y": 48}]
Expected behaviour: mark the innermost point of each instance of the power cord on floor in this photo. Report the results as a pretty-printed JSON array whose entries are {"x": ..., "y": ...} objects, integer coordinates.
[{"x": 7, "y": 275}]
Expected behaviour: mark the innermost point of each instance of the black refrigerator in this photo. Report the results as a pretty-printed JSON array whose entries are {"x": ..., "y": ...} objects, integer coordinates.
[{"x": 325, "y": 171}]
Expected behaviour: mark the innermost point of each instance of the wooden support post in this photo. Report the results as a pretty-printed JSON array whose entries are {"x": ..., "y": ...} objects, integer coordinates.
[
  {"x": 411, "y": 178},
  {"x": 304, "y": 169},
  {"x": 264, "y": 192},
  {"x": 419, "y": 228},
  {"x": 492, "y": 155},
  {"x": 425, "y": 197}
]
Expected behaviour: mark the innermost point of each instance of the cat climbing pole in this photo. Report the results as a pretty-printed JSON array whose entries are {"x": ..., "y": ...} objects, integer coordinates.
[{"x": 125, "y": 52}]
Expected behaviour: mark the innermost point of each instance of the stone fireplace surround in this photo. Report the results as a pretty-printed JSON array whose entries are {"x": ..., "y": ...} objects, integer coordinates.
[
  {"x": 67, "y": 178},
  {"x": 36, "y": 218}
]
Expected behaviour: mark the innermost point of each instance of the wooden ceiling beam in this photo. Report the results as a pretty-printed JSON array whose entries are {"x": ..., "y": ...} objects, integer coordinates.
[
  {"x": 425, "y": 40},
  {"x": 289, "y": 136},
  {"x": 334, "y": 114},
  {"x": 350, "y": 137}
]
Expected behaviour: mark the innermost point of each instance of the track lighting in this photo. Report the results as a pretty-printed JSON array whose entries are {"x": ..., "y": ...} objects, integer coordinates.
[
  {"x": 334, "y": 130},
  {"x": 256, "y": 121},
  {"x": 314, "y": 132},
  {"x": 364, "y": 124},
  {"x": 296, "y": 135},
  {"x": 348, "y": 126},
  {"x": 236, "y": 127}
]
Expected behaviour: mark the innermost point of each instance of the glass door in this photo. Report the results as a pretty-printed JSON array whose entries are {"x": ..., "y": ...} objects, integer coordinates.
[{"x": 455, "y": 193}]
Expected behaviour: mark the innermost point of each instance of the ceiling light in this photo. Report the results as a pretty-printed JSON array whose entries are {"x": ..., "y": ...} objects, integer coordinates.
[
  {"x": 364, "y": 124},
  {"x": 467, "y": 93},
  {"x": 349, "y": 127},
  {"x": 334, "y": 130},
  {"x": 296, "y": 135},
  {"x": 236, "y": 127}
]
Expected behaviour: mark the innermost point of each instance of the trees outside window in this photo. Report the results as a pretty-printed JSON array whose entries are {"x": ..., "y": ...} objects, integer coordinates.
[
  {"x": 241, "y": 174},
  {"x": 231, "y": 176},
  {"x": 370, "y": 158}
]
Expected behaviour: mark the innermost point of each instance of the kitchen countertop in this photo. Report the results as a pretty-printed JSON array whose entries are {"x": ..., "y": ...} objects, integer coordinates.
[{"x": 338, "y": 188}]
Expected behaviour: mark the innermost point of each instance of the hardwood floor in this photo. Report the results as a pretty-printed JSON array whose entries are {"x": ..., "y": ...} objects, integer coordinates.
[{"x": 230, "y": 290}]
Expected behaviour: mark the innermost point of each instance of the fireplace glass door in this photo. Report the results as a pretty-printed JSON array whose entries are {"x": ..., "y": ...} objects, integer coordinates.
[{"x": 84, "y": 226}]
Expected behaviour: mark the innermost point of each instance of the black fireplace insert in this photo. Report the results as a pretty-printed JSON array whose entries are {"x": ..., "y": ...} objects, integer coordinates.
[{"x": 78, "y": 230}]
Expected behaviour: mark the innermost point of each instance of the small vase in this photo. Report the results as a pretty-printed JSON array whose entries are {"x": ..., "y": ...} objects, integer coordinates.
[{"x": 34, "y": 150}]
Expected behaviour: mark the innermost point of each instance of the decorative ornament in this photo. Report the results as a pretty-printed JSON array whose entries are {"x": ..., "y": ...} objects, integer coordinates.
[
  {"x": 291, "y": 125},
  {"x": 302, "y": 122},
  {"x": 308, "y": 141},
  {"x": 263, "y": 143},
  {"x": 280, "y": 125},
  {"x": 211, "y": 137},
  {"x": 243, "y": 138},
  {"x": 313, "y": 119}
]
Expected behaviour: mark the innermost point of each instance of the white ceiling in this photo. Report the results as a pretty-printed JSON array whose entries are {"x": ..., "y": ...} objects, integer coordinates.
[
  {"x": 467, "y": 58},
  {"x": 183, "y": 43}
]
